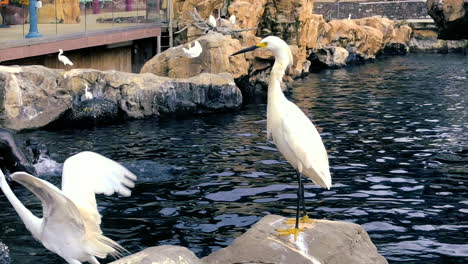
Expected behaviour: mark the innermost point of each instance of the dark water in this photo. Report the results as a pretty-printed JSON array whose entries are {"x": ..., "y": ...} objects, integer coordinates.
[{"x": 388, "y": 126}]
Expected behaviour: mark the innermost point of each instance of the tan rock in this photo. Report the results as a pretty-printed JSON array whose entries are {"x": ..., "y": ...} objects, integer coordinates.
[
  {"x": 247, "y": 12},
  {"x": 384, "y": 25},
  {"x": 183, "y": 8},
  {"x": 161, "y": 255},
  {"x": 215, "y": 58},
  {"x": 450, "y": 17},
  {"x": 402, "y": 34},
  {"x": 322, "y": 242}
]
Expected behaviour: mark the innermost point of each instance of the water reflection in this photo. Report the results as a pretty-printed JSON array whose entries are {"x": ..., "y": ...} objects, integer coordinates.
[{"x": 204, "y": 181}]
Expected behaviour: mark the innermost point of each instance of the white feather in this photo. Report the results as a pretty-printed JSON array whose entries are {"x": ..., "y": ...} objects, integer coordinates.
[
  {"x": 87, "y": 95},
  {"x": 212, "y": 21},
  {"x": 194, "y": 51},
  {"x": 232, "y": 19}
]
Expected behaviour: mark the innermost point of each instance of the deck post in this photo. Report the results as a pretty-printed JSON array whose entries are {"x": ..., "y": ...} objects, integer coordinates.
[{"x": 33, "y": 32}]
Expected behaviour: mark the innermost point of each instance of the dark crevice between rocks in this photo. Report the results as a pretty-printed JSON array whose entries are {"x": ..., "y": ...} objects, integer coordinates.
[{"x": 91, "y": 113}]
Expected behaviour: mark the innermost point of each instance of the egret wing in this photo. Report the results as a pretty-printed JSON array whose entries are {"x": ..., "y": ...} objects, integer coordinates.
[
  {"x": 58, "y": 209},
  {"x": 87, "y": 173},
  {"x": 305, "y": 143}
]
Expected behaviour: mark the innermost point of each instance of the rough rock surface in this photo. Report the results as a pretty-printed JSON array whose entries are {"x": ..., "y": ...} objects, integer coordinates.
[
  {"x": 451, "y": 18},
  {"x": 34, "y": 96},
  {"x": 161, "y": 255},
  {"x": 322, "y": 242},
  {"x": 213, "y": 59},
  {"x": 332, "y": 57},
  {"x": 4, "y": 254}
]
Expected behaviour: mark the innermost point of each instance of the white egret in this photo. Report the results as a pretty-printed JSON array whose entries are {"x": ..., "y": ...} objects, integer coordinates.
[
  {"x": 70, "y": 225},
  {"x": 66, "y": 61},
  {"x": 195, "y": 51},
  {"x": 349, "y": 17},
  {"x": 212, "y": 21},
  {"x": 87, "y": 95},
  {"x": 232, "y": 19},
  {"x": 293, "y": 133}
]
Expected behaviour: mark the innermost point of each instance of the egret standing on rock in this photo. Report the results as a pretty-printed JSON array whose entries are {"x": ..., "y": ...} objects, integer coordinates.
[
  {"x": 195, "y": 51},
  {"x": 70, "y": 223},
  {"x": 87, "y": 95},
  {"x": 232, "y": 19},
  {"x": 293, "y": 133},
  {"x": 66, "y": 61}
]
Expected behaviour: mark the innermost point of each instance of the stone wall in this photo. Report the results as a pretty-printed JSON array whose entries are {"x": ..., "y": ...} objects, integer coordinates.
[{"x": 395, "y": 10}]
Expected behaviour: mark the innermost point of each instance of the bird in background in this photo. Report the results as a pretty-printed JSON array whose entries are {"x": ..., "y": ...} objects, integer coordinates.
[
  {"x": 87, "y": 95},
  {"x": 232, "y": 19},
  {"x": 70, "y": 223},
  {"x": 195, "y": 51},
  {"x": 349, "y": 17},
  {"x": 212, "y": 21},
  {"x": 66, "y": 61},
  {"x": 292, "y": 131}
]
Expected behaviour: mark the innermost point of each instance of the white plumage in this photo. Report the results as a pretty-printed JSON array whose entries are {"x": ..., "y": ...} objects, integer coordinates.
[
  {"x": 70, "y": 226},
  {"x": 194, "y": 51},
  {"x": 349, "y": 17},
  {"x": 87, "y": 95},
  {"x": 212, "y": 21},
  {"x": 232, "y": 19},
  {"x": 291, "y": 130},
  {"x": 64, "y": 59}
]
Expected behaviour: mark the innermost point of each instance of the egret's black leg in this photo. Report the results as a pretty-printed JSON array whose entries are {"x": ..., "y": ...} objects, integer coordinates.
[
  {"x": 299, "y": 198},
  {"x": 304, "y": 211}
]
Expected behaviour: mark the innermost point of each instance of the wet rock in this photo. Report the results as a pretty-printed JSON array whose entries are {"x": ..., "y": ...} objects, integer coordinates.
[
  {"x": 331, "y": 57},
  {"x": 4, "y": 254},
  {"x": 322, "y": 242},
  {"x": 35, "y": 96},
  {"x": 161, "y": 255},
  {"x": 451, "y": 18}
]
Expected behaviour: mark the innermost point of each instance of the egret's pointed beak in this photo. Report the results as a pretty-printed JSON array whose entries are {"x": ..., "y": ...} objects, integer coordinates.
[{"x": 251, "y": 48}]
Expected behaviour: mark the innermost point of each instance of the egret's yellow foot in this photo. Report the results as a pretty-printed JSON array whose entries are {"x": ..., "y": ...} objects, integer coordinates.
[
  {"x": 287, "y": 232},
  {"x": 302, "y": 220}
]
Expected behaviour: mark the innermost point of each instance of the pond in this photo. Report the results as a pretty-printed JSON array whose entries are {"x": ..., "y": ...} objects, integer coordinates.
[{"x": 394, "y": 130}]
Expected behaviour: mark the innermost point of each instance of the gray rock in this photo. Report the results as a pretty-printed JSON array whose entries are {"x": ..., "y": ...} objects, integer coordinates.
[
  {"x": 161, "y": 255},
  {"x": 450, "y": 17},
  {"x": 331, "y": 56},
  {"x": 34, "y": 96},
  {"x": 4, "y": 254},
  {"x": 322, "y": 242}
]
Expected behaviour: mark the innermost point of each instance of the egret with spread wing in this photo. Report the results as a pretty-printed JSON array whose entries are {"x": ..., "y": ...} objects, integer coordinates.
[
  {"x": 293, "y": 133},
  {"x": 70, "y": 225}
]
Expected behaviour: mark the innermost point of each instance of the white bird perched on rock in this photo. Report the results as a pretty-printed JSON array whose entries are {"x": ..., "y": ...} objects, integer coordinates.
[
  {"x": 212, "y": 21},
  {"x": 293, "y": 133},
  {"x": 70, "y": 223},
  {"x": 349, "y": 17},
  {"x": 195, "y": 51},
  {"x": 232, "y": 19},
  {"x": 66, "y": 61},
  {"x": 87, "y": 95}
]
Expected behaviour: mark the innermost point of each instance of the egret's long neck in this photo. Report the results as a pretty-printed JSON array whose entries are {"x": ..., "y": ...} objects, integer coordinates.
[
  {"x": 31, "y": 221},
  {"x": 276, "y": 77}
]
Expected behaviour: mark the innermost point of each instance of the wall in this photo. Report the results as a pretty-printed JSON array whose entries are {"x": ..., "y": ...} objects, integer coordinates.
[{"x": 395, "y": 10}]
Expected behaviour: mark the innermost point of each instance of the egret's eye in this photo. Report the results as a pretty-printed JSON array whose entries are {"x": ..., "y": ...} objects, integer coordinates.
[{"x": 262, "y": 44}]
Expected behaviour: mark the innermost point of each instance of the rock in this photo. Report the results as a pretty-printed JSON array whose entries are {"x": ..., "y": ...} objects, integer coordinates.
[
  {"x": 451, "y": 18},
  {"x": 4, "y": 254},
  {"x": 36, "y": 96},
  {"x": 322, "y": 242},
  {"x": 215, "y": 58},
  {"x": 161, "y": 255},
  {"x": 248, "y": 13},
  {"x": 331, "y": 57},
  {"x": 384, "y": 25}
]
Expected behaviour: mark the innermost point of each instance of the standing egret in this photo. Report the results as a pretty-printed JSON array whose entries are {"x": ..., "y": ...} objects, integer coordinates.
[
  {"x": 66, "y": 61},
  {"x": 293, "y": 133},
  {"x": 87, "y": 95},
  {"x": 349, "y": 17},
  {"x": 212, "y": 21},
  {"x": 70, "y": 223},
  {"x": 195, "y": 51},
  {"x": 232, "y": 19}
]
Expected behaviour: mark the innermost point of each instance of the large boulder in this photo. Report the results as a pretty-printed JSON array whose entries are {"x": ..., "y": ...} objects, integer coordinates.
[
  {"x": 35, "y": 96},
  {"x": 161, "y": 255},
  {"x": 4, "y": 254},
  {"x": 330, "y": 57},
  {"x": 215, "y": 58},
  {"x": 451, "y": 18},
  {"x": 322, "y": 242}
]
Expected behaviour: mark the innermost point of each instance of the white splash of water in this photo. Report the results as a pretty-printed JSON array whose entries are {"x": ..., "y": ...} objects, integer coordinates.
[{"x": 47, "y": 166}]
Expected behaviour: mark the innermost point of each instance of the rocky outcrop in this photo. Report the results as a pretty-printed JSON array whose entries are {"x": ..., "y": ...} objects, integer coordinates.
[
  {"x": 322, "y": 242},
  {"x": 451, "y": 18},
  {"x": 161, "y": 255},
  {"x": 331, "y": 57},
  {"x": 34, "y": 96},
  {"x": 215, "y": 58},
  {"x": 425, "y": 39},
  {"x": 4, "y": 254}
]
